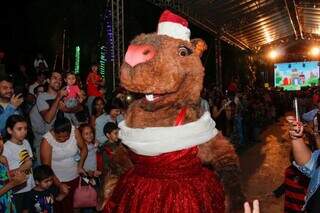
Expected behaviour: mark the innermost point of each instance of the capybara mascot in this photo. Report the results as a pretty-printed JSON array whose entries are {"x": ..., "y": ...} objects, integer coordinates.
[{"x": 181, "y": 161}]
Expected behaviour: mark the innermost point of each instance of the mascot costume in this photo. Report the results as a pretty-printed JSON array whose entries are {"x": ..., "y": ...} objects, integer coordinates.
[{"x": 182, "y": 163}]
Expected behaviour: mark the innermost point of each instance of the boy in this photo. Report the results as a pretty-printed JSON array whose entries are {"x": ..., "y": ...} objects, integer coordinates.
[
  {"x": 112, "y": 155},
  {"x": 41, "y": 198},
  {"x": 113, "y": 160}
]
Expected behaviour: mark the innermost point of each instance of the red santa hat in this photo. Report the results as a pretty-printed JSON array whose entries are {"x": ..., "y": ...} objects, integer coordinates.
[{"x": 174, "y": 26}]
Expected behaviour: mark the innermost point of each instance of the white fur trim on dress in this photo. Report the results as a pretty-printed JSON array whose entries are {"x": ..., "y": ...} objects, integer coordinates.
[
  {"x": 174, "y": 30},
  {"x": 154, "y": 141}
]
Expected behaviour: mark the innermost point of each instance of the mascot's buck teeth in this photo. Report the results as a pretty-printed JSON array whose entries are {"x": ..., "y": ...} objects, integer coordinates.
[{"x": 151, "y": 97}]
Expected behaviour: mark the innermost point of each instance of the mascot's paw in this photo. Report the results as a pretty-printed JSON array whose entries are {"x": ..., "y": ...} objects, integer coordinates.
[
  {"x": 222, "y": 158},
  {"x": 110, "y": 182}
]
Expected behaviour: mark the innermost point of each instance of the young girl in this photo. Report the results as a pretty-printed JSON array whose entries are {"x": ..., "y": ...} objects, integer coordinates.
[
  {"x": 90, "y": 164},
  {"x": 73, "y": 98},
  {"x": 6, "y": 184},
  {"x": 18, "y": 152}
]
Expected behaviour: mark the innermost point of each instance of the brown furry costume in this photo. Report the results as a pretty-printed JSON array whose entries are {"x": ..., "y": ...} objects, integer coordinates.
[{"x": 175, "y": 76}]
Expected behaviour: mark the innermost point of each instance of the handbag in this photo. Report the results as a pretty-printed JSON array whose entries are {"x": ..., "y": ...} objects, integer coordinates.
[{"x": 84, "y": 196}]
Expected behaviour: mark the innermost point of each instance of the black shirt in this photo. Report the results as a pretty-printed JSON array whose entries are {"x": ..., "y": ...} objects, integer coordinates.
[{"x": 41, "y": 201}]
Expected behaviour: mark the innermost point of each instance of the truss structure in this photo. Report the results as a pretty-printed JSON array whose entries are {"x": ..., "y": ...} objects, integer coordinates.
[
  {"x": 196, "y": 19},
  {"x": 115, "y": 42}
]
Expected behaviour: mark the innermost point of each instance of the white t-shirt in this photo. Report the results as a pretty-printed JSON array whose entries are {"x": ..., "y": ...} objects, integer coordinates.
[
  {"x": 16, "y": 156},
  {"x": 63, "y": 155},
  {"x": 90, "y": 163}
]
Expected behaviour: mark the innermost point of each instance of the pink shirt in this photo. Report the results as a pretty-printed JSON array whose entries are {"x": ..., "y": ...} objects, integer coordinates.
[{"x": 73, "y": 91}]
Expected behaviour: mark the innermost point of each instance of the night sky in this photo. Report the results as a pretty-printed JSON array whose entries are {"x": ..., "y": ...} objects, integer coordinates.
[{"x": 37, "y": 26}]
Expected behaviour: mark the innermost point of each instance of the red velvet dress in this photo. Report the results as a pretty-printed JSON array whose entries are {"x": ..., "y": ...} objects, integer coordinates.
[{"x": 168, "y": 183}]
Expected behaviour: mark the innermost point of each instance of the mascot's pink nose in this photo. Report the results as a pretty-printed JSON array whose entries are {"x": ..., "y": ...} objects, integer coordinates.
[{"x": 137, "y": 54}]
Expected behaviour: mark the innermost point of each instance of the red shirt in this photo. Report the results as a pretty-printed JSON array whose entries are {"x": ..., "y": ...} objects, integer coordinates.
[{"x": 92, "y": 88}]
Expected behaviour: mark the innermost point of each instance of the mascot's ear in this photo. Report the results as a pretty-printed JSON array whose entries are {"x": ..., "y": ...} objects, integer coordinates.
[{"x": 199, "y": 46}]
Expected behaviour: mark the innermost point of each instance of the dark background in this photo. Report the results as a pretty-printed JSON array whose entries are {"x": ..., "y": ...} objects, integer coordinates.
[{"x": 33, "y": 26}]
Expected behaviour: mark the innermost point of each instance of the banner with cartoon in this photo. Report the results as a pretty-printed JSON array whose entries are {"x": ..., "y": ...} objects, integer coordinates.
[{"x": 293, "y": 76}]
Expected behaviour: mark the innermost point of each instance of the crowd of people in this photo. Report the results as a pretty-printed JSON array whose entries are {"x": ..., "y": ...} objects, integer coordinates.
[
  {"x": 241, "y": 114},
  {"x": 59, "y": 133}
]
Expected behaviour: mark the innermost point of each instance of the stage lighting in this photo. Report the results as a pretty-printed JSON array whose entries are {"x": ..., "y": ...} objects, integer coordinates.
[
  {"x": 315, "y": 51},
  {"x": 273, "y": 54}
]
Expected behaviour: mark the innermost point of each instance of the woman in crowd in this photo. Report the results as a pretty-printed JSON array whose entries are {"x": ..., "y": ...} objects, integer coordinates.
[
  {"x": 97, "y": 110},
  {"x": 219, "y": 112},
  {"x": 58, "y": 149},
  {"x": 112, "y": 114}
]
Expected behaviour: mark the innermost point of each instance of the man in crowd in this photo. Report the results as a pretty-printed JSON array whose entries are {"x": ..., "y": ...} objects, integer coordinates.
[
  {"x": 48, "y": 107},
  {"x": 9, "y": 102}
]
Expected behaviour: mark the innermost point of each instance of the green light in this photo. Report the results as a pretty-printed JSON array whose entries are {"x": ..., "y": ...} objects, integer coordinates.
[
  {"x": 77, "y": 60},
  {"x": 102, "y": 62}
]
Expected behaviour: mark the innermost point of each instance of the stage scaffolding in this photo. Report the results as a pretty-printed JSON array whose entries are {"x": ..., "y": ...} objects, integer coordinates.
[{"x": 114, "y": 45}]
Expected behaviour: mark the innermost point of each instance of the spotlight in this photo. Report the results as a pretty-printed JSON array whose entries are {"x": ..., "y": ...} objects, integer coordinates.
[
  {"x": 315, "y": 51},
  {"x": 273, "y": 54}
]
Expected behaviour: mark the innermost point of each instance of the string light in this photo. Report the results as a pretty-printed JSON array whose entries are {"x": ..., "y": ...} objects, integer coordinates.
[
  {"x": 77, "y": 60},
  {"x": 109, "y": 47},
  {"x": 102, "y": 67}
]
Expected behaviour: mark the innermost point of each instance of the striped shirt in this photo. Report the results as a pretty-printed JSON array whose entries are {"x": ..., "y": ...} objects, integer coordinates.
[{"x": 296, "y": 185}]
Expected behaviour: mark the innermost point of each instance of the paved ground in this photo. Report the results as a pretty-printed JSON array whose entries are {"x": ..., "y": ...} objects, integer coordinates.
[{"x": 263, "y": 166}]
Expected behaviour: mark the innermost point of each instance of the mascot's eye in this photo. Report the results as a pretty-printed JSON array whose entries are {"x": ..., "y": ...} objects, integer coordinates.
[{"x": 184, "y": 51}]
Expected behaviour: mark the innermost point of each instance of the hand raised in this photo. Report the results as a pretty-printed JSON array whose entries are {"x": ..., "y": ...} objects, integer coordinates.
[
  {"x": 296, "y": 130},
  {"x": 256, "y": 208},
  {"x": 16, "y": 100},
  {"x": 62, "y": 93}
]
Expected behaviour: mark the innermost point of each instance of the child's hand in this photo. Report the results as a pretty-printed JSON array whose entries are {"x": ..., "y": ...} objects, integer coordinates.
[
  {"x": 3, "y": 160},
  {"x": 96, "y": 144},
  {"x": 64, "y": 188},
  {"x": 18, "y": 178},
  {"x": 82, "y": 96}
]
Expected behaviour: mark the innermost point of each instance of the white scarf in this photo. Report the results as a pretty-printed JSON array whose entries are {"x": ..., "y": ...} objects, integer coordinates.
[{"x": 154, "y": 141}]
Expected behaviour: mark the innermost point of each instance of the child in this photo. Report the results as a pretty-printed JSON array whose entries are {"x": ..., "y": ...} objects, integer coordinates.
[
  {"x": 71, "y": 100},
  {"x": 90, "y": 164},
  {"x": 113, "y": 160},
  {"x": 41, "y": 198},
  {"x": 6, "y": 184},
  {"x": 73, "y": 97},
  {"x": 113, "y": 157},
  {"x": 18, "y": 152}
]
